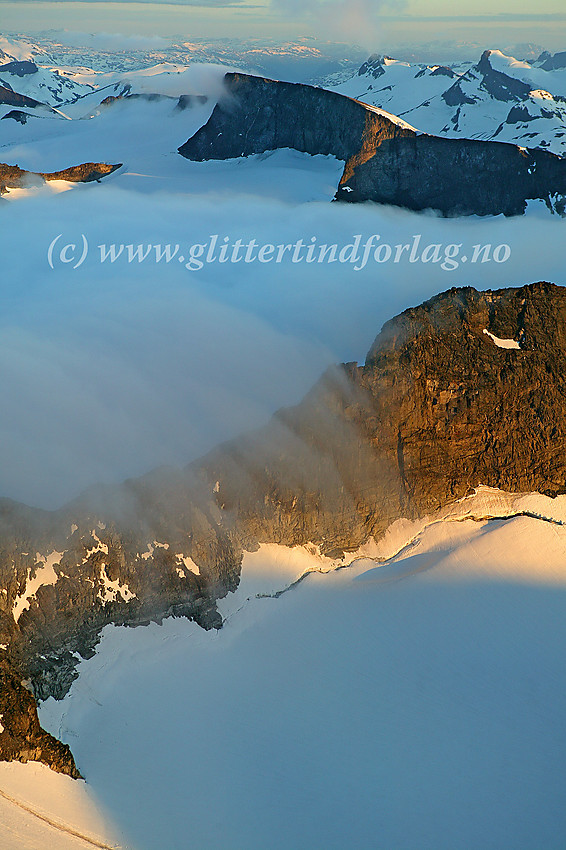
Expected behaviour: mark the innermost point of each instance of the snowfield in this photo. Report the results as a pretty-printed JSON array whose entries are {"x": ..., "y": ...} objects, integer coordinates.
[
  {"x": 40, "y": 808},
  {"x": 44, "y": 575},
  {"x": 417, "y": 695}
]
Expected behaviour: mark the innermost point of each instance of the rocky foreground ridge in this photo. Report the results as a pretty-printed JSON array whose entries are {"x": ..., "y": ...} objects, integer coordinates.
[
  {"x": 14, "y": 177},
  {"x": 386, "y": 160},
  {"x": 467, "y": 389}
]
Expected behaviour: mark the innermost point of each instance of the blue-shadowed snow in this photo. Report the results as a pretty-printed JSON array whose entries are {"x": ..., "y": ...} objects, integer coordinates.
[{"x": 431, "y": 684}]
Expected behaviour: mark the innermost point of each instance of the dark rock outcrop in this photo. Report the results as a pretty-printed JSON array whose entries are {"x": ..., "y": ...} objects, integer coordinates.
[
  {"x": 24, "y": 68},
  {"x": 499, "y": 85},
  {"x": 458, "y": 177},
  {"x": 437, "y": 409},
  {"x": 12, "y": 98},
  {"x": 385, "y": 160},
  {"x": 187, "y": 101},
  {"x": 16, "y": 115},
  {"x": 443, "y": 71},
  {"x": 553, "y": 63},
  {"x": 259, "y": 115},
  {"x": 373, "y": 66},
  {"x": 454, "y": 96}
]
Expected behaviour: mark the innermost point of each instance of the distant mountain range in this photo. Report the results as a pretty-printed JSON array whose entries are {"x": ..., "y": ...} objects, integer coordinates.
[
  {"x": 445, "y": 156},
  {"x": 499, "y": 98},
  {"x": 306, "y": 59}
]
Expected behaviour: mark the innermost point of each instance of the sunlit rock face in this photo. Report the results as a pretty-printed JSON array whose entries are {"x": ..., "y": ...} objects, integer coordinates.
[{"x": 13, "y": 177}]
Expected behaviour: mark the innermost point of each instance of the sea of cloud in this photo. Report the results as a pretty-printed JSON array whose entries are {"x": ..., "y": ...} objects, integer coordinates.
[{"x": 111, "y": 369}]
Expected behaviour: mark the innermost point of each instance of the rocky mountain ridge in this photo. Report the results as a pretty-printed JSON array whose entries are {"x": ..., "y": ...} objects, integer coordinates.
[
  {"x": 13, "y": 177},
  {"x": 465, "y": 390},
  {"x": 386, "y": 160}
]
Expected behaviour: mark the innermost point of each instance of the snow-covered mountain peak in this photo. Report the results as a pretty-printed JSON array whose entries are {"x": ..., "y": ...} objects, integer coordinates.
[
  {"x": 48, "y": 86},
  {"x": 499, "y": 61},
  {"x": 20, "y": 50},
  {"x": 499, "y": 97},
  {"x": 374, "y": 66}
]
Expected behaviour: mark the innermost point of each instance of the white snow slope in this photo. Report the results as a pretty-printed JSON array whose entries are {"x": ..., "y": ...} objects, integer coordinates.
[
  {"x": 413, "y": 700},
  {"x": 42, "y": 809}
]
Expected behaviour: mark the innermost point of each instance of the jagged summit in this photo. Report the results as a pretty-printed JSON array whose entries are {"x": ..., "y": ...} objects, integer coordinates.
[
  {"x": 374, "y": 65},
  {"x": 479, "y": 102}
]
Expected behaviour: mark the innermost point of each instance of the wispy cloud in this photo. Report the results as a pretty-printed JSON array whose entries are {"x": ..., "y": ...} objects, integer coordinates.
[
  {"x": 110, "y": 42},
  {"x": 356, "y": 20}
]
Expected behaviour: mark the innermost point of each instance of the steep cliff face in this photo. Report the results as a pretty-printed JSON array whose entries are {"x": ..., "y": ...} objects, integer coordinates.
[
  {"x": 386, "y": 160},
  {"x": 21, "y": 736},
  {"x": 467, "y": 389},
  {"x": 258, "y": 115},
  {"x": 457, "y": 177},
  {"x": 12, "y": 98},
  {"x": 438, "y": 408}
]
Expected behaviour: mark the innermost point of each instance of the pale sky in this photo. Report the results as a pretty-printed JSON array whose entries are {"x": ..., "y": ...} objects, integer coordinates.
[{"x": 371, "y": 23}]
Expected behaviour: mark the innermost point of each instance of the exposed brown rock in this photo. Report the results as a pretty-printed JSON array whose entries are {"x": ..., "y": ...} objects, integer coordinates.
[
  {"x": 13, "y": 177},
  {"x": 22, "y": 738},
  {"x": 12, "y": 98}
]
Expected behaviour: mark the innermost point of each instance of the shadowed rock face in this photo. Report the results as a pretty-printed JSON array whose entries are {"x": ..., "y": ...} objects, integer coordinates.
[
  {"x": 437, "y": 409},
  {"x": 553, "y": 63},
  {"x": 260, "y": 115},
  {"x": 457, "y": 177},
  {"x": 498, "y": 84},
  {"x": 385, "y": 160},
  {"x": 12, "y": 98}
]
